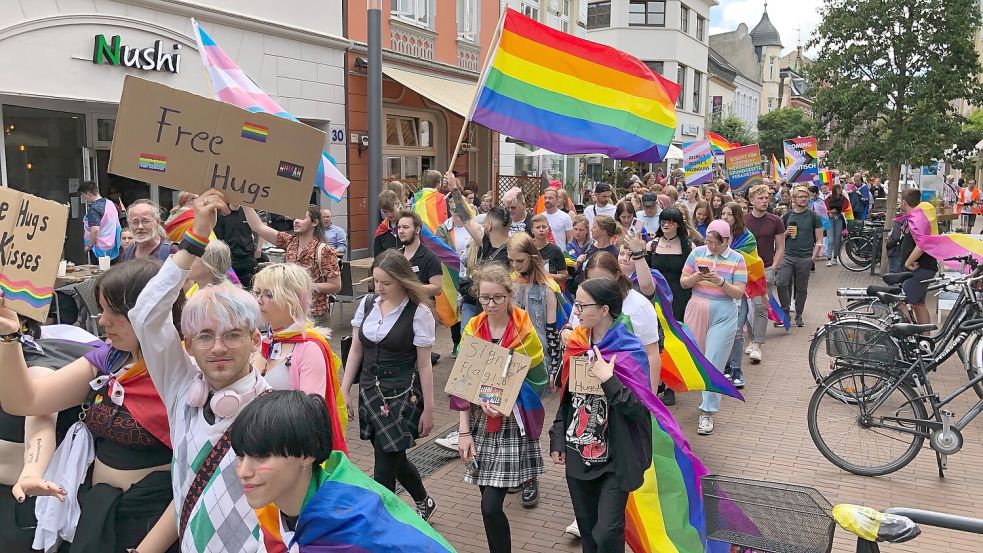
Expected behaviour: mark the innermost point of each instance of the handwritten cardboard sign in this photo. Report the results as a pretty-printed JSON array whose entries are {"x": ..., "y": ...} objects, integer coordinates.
[
  {"x": 582, "y": 379},
  {"x": 187, "y": 142},
  {"x": 32, "y": 235},
  {"x": 477, "y": 374}
]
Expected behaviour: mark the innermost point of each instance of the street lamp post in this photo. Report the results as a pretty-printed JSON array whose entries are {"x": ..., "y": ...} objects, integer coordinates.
[{"x": 375, "y": 131}]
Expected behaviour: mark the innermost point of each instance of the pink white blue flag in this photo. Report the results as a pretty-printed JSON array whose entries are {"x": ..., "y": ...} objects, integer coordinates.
[{"x": 231, "y": 85}]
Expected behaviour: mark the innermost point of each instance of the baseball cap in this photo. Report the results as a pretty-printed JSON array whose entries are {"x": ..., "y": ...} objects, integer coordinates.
[
  {"x": 602, "y": 187},
  {"x": 650, "y": 198}
]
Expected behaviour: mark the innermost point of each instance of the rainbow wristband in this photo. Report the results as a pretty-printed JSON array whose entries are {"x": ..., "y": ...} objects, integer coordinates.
[{"x": 193, "y": 244}]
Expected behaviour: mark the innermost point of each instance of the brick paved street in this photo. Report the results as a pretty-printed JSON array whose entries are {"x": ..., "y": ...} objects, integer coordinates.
[{"x": 764, "y": 438}]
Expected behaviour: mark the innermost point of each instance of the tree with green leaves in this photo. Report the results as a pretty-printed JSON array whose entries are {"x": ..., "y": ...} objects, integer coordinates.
[
  {"x": 782, "y": 124},
  {"x": 886, "y": 77},
  {"x": 734, "y": 129}
]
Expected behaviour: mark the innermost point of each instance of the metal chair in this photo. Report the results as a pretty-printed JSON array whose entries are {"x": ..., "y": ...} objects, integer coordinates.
[{"x": 89, "y": 314}]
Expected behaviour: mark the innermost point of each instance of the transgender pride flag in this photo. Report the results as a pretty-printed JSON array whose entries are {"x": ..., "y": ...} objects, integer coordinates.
[{"x": 232, "y": 86}]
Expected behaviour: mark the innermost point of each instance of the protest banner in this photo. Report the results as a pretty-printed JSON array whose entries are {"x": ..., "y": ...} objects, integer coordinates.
[
  {"x": 32, "y": 235},
  {"x": 801, "y": 159},
  {"x": 743, "y": 167},
  {"x": 582, "y": 379},
  {"x": 478, "y": 374},
  {"x": 698, "y": 162},
  {"x": 187, "y": 142}
]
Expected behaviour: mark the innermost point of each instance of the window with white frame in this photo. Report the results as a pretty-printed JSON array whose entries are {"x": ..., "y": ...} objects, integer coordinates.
[
  {"x": 771, "y": 69},
  {"x": 529, "y": 10},
  {"x": 418, "y": 12},
  {"x": 564, "y": 13},
  {"x": 701, "y": 28},
  {"x": 697, "y": 90},
  {"x": 683, "y": 18},
  {"x": 467, "y": 20},
  {"x": 599, "y": 15},
  {"x": 681, "y": 80}
]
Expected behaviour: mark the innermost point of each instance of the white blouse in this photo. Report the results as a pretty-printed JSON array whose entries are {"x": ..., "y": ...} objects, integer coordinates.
[{"x": 377, "y": 327}]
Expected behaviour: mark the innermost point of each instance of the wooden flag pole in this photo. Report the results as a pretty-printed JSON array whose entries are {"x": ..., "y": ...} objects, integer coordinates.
[{"x": 489, "y": 55}]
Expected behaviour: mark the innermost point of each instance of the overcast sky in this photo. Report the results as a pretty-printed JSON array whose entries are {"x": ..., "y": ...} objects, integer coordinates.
[{"x": 786, "y": 15}]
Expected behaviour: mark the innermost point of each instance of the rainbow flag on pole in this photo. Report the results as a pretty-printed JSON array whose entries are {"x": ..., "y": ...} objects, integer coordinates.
[
  {"x": 574, "y": 96},
  {"x": 231, "y": 85},
  {"x": 775, "y": 174},
  {"x": 719, "y": 143}
]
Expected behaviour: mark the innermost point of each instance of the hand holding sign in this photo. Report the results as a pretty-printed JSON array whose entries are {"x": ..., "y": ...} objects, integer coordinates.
[
  {"x": 602, "y": 369},
  {"x": 206, "y": 207},
  {"x": 9, "y": 323}
]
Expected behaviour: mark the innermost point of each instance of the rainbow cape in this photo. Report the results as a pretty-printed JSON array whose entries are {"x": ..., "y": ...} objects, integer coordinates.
[
  {"x": 346, "y": 511},
  {"x": 178, "y": 224},
  {"x": 231, "y": 85},
  {"x": 719, "y": 144},
  {"x": 520, "y": 336},
  {"x": 432, "y": 208},
  {"x": 775, "y": 174},
  {"x": 684, "y": 366},
  {"x": 574, "y": 96},
  {"x": 666, "y": 513},
  {"x": 747, "y": 245},
  {"x": 819, "y": 206},
  {"x": 923, "y": 224}
]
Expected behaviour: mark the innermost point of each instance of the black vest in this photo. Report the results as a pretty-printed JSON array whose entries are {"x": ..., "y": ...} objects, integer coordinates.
[{"x": 392, "y": 359}]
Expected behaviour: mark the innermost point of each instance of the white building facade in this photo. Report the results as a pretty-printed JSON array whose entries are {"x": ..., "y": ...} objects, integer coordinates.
[{"x": 64, "y": 64}]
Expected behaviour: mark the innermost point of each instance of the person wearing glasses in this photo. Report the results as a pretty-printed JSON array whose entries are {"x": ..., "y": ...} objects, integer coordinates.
[
  {"x": 394, "y": 332},
  {"x": 149, "y": 239},
  {"x": 122, "y": 493},
  {"x": 501, "y": 454},
  {"x": 717, "y": 275}
]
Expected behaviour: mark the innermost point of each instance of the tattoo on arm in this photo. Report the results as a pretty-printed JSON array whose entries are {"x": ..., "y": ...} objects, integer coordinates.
[
  {"x": 34, "y": 457},
  {"x": 460, "y": 206}
]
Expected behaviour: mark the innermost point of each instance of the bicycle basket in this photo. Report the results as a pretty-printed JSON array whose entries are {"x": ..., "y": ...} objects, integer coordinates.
[
  {"x": 767, "y": 516},
  {"x": 861, "y": 343}
]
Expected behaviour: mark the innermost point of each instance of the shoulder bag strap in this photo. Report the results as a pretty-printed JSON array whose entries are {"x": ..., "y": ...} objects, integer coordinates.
[{"x": 204, "y": 474}]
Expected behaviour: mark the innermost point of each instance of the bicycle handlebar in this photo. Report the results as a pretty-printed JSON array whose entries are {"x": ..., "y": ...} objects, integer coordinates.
[{"x": 940, "y": 520}]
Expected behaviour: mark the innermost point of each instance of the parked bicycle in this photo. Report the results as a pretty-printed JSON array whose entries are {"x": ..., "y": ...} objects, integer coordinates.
[{"x": 861, "y": 249}]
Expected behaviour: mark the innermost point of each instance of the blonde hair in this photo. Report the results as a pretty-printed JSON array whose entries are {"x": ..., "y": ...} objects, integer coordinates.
[
  {"x": 291, "y": 287},
  {"x": 801, "y": 188},
  {"x": 759, "y": 189},
  {"x": 493, "y": 272},
  {"x": 398, "y": 267},
  {"x": 217, "y": 259},
  {"x": 521, "y": 242}
]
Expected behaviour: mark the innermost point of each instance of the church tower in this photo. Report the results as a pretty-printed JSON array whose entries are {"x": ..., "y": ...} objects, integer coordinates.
[{"x": 768, "y": 47}]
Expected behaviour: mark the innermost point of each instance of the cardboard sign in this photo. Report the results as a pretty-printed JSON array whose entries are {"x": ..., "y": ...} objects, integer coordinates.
[
  {"x": 743, "y": 167},
  {"x": 801, "y": 159},
  {"x": 32, "y": 235},
  {"x": 187, "y": 142},
  {"x": 582, "y": 379},
  {"x": 477, "y": 374}
]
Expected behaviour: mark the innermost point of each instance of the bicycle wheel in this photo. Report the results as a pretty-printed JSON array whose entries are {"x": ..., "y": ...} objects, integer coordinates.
[
  {"x": 842, "y": 430},
  {"x": 973, "y": 362},
  {"x": 855, "y": 254}
]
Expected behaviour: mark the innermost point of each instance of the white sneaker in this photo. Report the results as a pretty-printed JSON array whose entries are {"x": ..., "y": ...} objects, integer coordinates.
[
  {"x": 829, "y": 263},
  {"x": 448, "y": 442},
  {"x": 755, "y": 354},
  {"x": 705, "y": 426},
  {"x": 573, "y": 529},
  {"x": 749, "y": 349}
]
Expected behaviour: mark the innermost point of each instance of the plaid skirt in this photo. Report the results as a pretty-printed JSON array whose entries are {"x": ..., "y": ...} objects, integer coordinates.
[
  {"x": 395, "y": 429},
  {"x": 505, "y": 458}
]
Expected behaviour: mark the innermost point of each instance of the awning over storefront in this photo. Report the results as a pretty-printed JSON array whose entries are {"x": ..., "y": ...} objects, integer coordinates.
[{"x": 452, "y": 94}]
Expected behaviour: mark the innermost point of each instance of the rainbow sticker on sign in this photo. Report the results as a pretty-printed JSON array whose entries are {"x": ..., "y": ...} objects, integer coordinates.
[
  {"x": 252, "y": 131},
  {"x": 153, "y": 162}
]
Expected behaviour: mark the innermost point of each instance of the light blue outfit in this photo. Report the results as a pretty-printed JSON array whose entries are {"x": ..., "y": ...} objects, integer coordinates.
[{"x": 335, "y": 237}]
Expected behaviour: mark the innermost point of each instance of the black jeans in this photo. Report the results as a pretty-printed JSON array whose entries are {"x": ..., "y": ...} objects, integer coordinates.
[
  {"x": 393, "y": 466},
  {"x": 456, "y": 333},
  {"x": 599, "y": 506},
  {"x": 497, "y": 529}
]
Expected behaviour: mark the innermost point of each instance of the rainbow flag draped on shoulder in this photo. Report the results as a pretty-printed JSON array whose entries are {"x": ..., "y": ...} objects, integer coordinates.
[
  {"x": 747, "y": 245},
  {"x": 574, "y": 96},
  {"x": 520, "y": 336},
  {"x": 923, "y": 224},
  {"x": 431, "y": 206},
  {"x": 684, "y": 367},
  {"x": 231, "y": 85},
  {"x": 666, "y": 513}
]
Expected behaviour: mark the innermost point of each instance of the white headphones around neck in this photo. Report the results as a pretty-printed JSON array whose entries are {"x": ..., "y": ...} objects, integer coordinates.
[{"x": 225, "y": 403}]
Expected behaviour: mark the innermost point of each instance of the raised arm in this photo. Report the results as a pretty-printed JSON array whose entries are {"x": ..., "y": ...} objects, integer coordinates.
[
  {"x": 257, "y": 225},
  {"x": 460, "y": 207}
]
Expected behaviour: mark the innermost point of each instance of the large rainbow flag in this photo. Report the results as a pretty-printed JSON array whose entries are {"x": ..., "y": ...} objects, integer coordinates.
[
  {"x": 231, "y": 85},
  {"x": 666, "y": 513},
  {"x": 432, "y": 208},
  {"x": 747, "y": 246},
  {"x": 923, "y": 224},
  {"x": 720, "y": 144},
  {"x": 574, "y": 96}
]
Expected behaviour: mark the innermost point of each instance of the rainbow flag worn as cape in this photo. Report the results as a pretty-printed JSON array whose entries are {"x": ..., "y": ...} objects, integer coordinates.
[
  {"x": 719, "y": 144},
  {"x": 819, "y": 206},
  {"x": 747, "y": 245},
  {"x": 574, "y": 96},
  {"x": 345, "y": 511},
  {"x": 231, "y": 85},
  {"x": 775, "y": 174},
  {"x": 666, "y": 513},
  {"x": 432, "y": 208},
  {"x": 520, "y": 336},
  {"x": 923, "y": 225},
  {"x": 684, "y": 366}
]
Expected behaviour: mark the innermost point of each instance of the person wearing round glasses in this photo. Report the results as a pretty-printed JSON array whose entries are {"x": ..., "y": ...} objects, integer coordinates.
[
  {"x": 717, "y": 275},
  {"x": 143, "y": 219}
]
